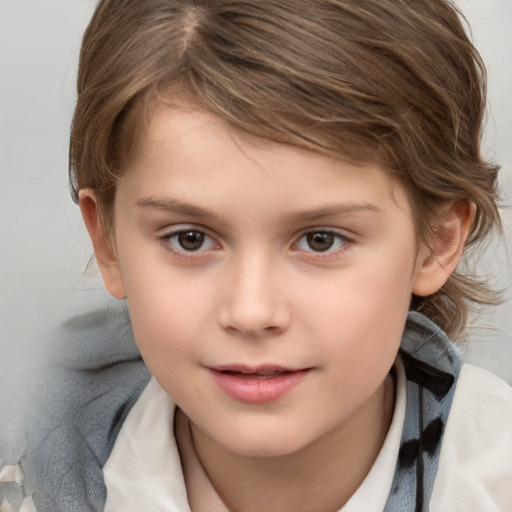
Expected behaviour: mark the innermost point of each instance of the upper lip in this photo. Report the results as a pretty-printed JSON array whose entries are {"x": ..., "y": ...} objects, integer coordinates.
[{"x": 264, "y": 369}]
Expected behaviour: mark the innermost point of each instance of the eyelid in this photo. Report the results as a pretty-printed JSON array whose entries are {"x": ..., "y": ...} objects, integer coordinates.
[
  {"x": 166, "y": 234},
  {"x": 346, "y": 242}
]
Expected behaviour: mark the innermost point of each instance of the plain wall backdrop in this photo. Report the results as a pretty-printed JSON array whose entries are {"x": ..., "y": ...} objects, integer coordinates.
[{"x": 44, "y": 247}]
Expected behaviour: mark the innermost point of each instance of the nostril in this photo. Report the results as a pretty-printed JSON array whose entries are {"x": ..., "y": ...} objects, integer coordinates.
[{"x": 249, "y": 332}]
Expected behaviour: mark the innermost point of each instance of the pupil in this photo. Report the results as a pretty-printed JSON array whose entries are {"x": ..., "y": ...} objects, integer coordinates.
[
  {"x": 191, "y": 240},
  {"x": 320, "y": 241}
]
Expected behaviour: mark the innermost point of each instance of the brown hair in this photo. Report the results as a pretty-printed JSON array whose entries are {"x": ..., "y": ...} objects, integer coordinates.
[{"x": 394, "y": 82}]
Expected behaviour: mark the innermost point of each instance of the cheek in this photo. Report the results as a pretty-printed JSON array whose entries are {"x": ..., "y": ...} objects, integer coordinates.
[
  {"x": 376, "y": 291},
  {"x": 165, "y": 327},
  {"x": 383, "y": 301},
  {"x": 362, "y": 313},
  {"x": 169, "y": 318},
  {"x": 166, "y": 308}
]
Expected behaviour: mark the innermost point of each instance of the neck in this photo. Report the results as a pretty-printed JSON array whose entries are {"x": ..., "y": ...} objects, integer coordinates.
[{"x": 320, "y": 476}]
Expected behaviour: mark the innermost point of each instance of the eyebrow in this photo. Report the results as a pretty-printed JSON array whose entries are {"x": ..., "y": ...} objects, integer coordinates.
[
  {"x": 180, "y": 208},
  {"x": 325, "y": 212},
  {"x": 336, "y": 210},
  {"x": 177, "y": 207}
]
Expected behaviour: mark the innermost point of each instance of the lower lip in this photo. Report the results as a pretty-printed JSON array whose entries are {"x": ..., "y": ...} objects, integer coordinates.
[{"x": 256, "y": 389}]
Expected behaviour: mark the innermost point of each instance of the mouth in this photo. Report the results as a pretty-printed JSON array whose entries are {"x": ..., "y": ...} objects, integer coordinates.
[
  {"x": 262, "y": 374},
  {"x": 257, "y": 385}
]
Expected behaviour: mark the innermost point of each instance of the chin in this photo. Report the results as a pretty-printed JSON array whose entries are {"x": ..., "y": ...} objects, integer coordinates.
[{"x": 264, "y": 444}]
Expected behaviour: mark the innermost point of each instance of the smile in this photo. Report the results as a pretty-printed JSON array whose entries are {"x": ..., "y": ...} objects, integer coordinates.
[{"x": 257, "y": 385}]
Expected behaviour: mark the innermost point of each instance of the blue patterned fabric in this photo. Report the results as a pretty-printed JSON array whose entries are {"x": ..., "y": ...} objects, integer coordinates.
[
  {"x": 432, "y": 365},
  {"x": 99, "y": 375}
]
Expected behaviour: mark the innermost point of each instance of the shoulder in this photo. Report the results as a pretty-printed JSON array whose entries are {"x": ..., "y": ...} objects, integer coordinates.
[
  {"x": 82, "y": 400},
  {"x": 475, "y": 466},
  {"x": 471, "y": 468}
]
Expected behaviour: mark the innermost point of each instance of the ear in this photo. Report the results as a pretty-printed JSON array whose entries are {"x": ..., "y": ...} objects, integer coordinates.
[
  {"x": 103, "y": 249},
  {"x": 437, "y": 262}
]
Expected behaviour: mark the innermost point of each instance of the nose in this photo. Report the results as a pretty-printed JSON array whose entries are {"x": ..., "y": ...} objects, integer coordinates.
[{"x": 254, "y": 302}]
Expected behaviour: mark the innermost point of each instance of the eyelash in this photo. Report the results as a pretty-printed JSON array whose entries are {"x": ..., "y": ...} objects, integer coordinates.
[
  {"x": 342, "y": 242},
  {"x": 182, "y": 252}
]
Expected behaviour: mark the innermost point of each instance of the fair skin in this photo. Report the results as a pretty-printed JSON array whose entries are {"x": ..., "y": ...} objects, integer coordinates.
[{"x": 268, "y": 288}]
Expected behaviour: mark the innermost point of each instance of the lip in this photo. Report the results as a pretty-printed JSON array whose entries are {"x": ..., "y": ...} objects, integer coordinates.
[{"x": 261, "y": 384}]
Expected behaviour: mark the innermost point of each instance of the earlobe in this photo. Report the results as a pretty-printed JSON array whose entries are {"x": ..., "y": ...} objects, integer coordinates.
[
  {"x": 436, "y": 263},
  {"x": 103, "y": 249}
]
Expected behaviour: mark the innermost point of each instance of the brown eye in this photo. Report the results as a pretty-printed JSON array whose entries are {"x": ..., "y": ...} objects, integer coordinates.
[
  {"x": 320, "y": 241},
  {"x": 190, "y": 240}
]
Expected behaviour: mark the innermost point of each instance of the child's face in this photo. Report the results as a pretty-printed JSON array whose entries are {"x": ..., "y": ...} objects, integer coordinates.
[{"x": 268, "y": 286}]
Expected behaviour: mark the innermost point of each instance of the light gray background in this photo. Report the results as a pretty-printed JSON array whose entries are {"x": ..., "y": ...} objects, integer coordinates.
[{"x": 44, "y": 248}]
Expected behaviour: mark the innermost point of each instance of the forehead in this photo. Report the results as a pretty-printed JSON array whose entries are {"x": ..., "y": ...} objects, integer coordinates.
[{"x": 186, "y": 152}]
